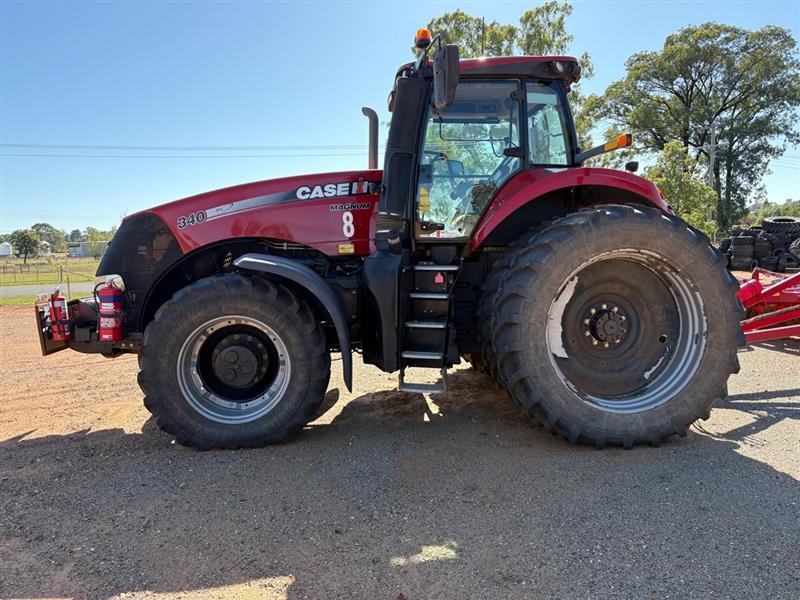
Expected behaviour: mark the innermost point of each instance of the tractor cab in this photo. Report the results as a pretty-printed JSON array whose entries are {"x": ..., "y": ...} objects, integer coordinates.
[
  {"x": 469, "y": 127},
  {"x": 461, "y": 130}
]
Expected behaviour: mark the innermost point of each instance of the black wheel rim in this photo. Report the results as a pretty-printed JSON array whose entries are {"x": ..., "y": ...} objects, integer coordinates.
[{"x": 626, "y": 331}]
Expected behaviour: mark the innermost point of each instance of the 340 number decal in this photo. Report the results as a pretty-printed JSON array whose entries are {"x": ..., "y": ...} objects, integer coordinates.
[{"x": 194, "y": 218}]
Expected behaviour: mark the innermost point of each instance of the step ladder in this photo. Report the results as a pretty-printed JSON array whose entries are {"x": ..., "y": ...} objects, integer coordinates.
[{"x": 426, "y": 334}]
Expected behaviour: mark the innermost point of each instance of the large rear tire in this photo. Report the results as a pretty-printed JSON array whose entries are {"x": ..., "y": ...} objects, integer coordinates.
[
  {"x": 233, "y": 361},
  {"x": 617, "y": 325}
]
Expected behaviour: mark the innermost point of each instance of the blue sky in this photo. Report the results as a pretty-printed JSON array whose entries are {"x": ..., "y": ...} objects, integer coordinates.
[{"x": 266, "y": 89}]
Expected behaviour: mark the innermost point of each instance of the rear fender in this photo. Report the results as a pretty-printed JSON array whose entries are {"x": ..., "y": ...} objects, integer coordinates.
[
  {"x": 315, "y": 285},
  {"x": 573, "y": 188}
]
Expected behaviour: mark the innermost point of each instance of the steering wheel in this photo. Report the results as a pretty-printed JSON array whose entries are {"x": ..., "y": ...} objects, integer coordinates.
[{"x": 435, "y": 155}]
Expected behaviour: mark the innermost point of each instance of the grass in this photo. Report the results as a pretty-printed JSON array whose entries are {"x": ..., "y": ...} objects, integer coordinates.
[
  {"x": 54, "y": 270},
  {"x": 18, "y": 300},
  {"x": 29, "y": 299}
]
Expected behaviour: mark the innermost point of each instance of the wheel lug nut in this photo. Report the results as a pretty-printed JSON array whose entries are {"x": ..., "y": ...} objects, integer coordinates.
[
  {"x": 615, "y": 309},
  {"x": 587, "y": 333},
  {"x": 586, "y": 321},
  {"x": 605, "y": 345},
  {"x": 594, "y": 342},
  {"x": 604, "y": 307},
  {"x": 592, "y": 310}
]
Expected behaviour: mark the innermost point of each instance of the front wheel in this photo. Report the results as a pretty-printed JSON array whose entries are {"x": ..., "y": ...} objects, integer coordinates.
[
  {"x": 617, "y": 325},
  {"x": 233, "y": 361}
]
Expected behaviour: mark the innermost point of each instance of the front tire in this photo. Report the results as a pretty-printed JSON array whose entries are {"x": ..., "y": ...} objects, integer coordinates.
[
  {"x": 233, "y": 361},
  {"x": 616, "y": 326}
]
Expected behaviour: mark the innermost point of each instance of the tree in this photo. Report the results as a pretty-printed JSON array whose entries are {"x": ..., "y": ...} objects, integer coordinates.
[
  {"x": 25, "y": 242},
  {"x": 75, "y": 235},
  {"x": 47, "y": 233},
  {"x": 689, "y": 197},
  {"x": 739, "y": 87},
  {"x": 98, "y": 235},
  {"x": 542, "y": 31},
  {"x": 771, "y": 209}
]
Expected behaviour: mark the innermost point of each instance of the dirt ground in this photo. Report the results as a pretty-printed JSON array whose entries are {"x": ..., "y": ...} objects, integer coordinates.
[{"x": 388, "y": 495}]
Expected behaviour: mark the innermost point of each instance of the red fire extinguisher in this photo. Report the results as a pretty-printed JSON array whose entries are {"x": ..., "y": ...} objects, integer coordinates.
[
  {"x": 60, "y": 325},
  {"x": 109, "y": 309}
]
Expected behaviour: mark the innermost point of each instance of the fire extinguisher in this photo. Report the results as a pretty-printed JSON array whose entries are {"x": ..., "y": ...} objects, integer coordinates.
[
  {"x": 60, "y": 325},
  {"x": 109, "y": 310}
]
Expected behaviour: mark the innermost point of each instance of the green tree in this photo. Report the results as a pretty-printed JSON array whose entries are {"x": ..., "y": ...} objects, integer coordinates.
[
  {"x": 25, "y": 242},
  {"x": 75, "y": 235},
  {"x": 542, "y": 31},
  {"x": 738, "y": 86},
  {"x": 691, "y": 199},
  {"x": 771, "y": 209},
  {"x": 99, "y": 235},
  {"x": 473, "y": 35},
  {"x": 47, "y": 233}
]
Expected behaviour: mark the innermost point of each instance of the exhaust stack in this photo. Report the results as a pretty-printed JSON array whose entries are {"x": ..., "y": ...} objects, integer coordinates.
[{"x": 372, "y": 152}]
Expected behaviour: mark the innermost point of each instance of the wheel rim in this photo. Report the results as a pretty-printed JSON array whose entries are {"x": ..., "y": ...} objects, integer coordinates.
[
  {"x": 627, "y": 331},
  {"x": 233, "y": 369}
]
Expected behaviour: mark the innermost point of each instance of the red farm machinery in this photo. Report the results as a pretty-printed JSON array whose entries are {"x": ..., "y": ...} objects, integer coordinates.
[
  {"x": 773, "y": 306},
  {"x": 484, "y": 238}
]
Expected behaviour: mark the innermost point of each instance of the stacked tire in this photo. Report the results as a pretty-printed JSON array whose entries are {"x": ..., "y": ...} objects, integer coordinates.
[
  {"x": 774, "y": 245},
  {"x": 742, "y": 253}
]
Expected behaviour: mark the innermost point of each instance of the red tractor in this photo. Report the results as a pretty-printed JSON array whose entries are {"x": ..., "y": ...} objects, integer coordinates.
[{"x": 484, "y": 237}]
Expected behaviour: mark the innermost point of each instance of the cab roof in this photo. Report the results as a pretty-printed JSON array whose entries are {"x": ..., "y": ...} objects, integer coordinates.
[
  {"x": 564, "y": 68},
  {"x": 541, "y": 67}
]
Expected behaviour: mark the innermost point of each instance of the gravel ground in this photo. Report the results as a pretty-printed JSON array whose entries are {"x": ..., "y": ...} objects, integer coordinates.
[{"x": 388, "y": 495}]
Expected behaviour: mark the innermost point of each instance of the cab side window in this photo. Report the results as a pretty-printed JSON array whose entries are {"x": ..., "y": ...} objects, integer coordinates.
[{"x": 548, "y": 136}]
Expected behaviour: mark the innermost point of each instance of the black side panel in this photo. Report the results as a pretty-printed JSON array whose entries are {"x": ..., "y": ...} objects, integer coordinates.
[
  {"x": 399, "y": 170},
  {"x": 379, "y": 336},
  {"x": 142, "y": 249}
]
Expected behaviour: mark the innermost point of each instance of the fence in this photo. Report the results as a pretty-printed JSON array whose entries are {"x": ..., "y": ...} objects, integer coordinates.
[{"x": 23, "y": 274}]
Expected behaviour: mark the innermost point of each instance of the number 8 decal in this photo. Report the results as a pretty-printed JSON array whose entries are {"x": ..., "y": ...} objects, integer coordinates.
[{"x": 348, "y": 229}]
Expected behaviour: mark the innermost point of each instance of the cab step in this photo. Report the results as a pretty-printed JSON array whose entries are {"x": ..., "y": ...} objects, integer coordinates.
[
  {"x": 428, "y": 296},
  {"x": 424, "y": 388},
  {"x": 419, "y": 355},
  {"x": 435, "y": 267},
  {"x": 426, "y": 324}
]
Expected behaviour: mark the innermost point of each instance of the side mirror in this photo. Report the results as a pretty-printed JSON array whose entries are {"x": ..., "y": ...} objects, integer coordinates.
[{"x": 445, "y": 76}]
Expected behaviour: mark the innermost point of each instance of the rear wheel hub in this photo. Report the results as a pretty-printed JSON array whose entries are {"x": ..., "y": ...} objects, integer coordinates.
[{"x": 606, "y": 325}]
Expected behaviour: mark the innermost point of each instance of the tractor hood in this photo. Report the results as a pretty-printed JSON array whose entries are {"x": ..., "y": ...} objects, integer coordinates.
[{"x": 330, "y": 212}]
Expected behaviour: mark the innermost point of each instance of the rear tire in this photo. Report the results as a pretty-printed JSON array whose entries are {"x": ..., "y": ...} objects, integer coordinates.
[
  {"x": 665, "y": 338},
  {"x": 233, "y": 361}
]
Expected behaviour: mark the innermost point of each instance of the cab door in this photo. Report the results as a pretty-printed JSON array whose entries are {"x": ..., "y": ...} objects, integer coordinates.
[{"x": 469, "y": 150}]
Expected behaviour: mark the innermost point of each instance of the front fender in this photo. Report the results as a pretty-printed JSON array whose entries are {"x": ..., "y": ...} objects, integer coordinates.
[{"x": 315, "y": 285}]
